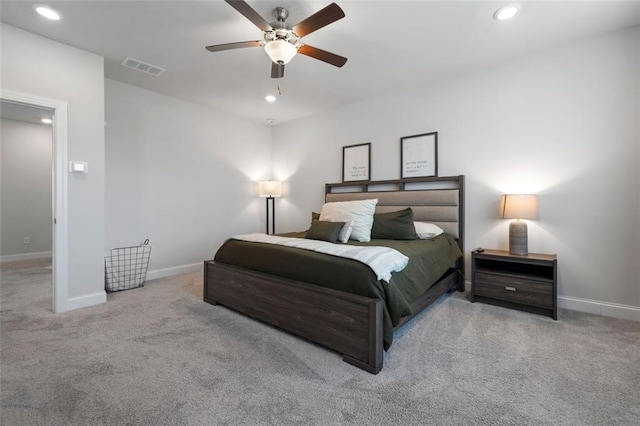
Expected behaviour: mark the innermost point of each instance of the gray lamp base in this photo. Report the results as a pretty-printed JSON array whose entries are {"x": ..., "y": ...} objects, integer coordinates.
[{"x": 518, "y": 238}]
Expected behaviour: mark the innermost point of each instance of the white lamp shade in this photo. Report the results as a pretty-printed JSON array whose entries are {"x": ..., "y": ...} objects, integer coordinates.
[
  {"x": 519, "y": 206},
  {"x": 280, "y": 51},
  {"x": 270, "y": 188}
]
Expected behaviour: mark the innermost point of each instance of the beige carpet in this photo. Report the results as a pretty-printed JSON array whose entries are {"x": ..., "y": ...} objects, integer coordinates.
[
  {"x": 25, "y": 264},
  {"x": 158, "y": 355}
]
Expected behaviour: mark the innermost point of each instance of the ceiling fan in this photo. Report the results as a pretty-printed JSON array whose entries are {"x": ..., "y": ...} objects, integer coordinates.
[{"x": 282, "y": 41}]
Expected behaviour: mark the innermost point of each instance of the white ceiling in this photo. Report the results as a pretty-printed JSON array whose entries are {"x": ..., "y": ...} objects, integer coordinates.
[{"x": 389, "y": 44}]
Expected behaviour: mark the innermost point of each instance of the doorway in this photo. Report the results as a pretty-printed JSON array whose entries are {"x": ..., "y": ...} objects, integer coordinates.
[
  {"x": 59, "y": 245},
  {"x": 26, "y": 207}
]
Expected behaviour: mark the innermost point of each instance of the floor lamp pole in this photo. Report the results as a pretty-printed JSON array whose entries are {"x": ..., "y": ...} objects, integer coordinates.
[{"x": 273, "y": 215}]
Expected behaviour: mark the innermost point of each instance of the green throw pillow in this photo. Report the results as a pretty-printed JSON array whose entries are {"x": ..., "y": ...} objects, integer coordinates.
[
  {"x": 324, "y": 231},
  {"x": 394, "y": 225}
]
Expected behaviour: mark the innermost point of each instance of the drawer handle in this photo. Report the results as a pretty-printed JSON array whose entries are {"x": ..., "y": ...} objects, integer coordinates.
[{"x": 510, "y": 288}]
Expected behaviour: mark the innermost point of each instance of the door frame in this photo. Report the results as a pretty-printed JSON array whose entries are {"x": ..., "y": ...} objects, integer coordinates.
[{"x": 60, "y": 190}]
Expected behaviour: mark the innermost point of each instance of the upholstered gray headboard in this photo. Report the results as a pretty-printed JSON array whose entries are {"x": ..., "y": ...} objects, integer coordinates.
[{"x": 439, "y": 200}]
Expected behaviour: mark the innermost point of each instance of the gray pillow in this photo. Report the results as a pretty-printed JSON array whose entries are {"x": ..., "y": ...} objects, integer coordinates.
[
  {"x": 394, "y": 225},
  {"x": 346, "y": 229},
  {"x": 324, "y": 231}
]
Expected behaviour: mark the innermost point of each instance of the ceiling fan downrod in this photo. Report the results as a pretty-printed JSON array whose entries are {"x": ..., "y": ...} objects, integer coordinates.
[{"x": 281, "y": 14}]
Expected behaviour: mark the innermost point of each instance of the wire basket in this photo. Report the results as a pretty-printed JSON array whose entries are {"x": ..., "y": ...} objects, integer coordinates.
[{"x": 126, "y": 267}]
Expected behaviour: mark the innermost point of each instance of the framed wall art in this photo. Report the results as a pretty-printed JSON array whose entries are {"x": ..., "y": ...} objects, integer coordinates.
[
  {"x": 419, "y": 155},
  {"x": 356, "y": 162}
]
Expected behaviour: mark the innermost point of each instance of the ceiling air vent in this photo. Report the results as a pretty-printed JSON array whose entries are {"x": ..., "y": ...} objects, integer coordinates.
[{"x": 141, "y": 66}]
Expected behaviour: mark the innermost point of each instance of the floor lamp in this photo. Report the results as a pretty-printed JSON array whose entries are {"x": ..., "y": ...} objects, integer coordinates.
[{"x": 270, "y": 189}]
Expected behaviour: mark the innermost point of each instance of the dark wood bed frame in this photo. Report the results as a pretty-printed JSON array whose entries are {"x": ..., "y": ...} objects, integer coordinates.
[{"x": 347, "y": 323}]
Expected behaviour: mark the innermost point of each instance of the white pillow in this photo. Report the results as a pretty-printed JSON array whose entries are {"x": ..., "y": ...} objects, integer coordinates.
[
  {"x": 426, "y": 230},
  {"x": 346, "y": 231},
  {"x": 360, "y": 212}
]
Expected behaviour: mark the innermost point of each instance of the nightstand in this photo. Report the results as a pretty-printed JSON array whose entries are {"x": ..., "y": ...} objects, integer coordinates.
[{"x": 527, "y": 283}]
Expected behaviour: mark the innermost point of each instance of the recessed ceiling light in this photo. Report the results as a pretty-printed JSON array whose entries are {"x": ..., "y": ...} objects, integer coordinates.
[
  {"x": 46, "y": 120},
  {"x": 270, "y": 98},
  {"x": 48, "y": 12},
  {"x": 506, "y": 12}
]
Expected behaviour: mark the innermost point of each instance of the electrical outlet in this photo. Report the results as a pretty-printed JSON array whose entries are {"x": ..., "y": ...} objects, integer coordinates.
[{"x": 27, "y": 240}]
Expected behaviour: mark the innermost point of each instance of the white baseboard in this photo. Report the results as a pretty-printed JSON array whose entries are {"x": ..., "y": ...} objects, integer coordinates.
[
  {"x": 26, "y": 256},
  {"x": 86, "y": 300},
  {"x": 597, "y": 307},
  {"x": 174, "y": 270}
]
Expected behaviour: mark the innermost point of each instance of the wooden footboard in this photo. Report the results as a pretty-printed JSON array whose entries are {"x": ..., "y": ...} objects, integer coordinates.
[{"x": 347, "y": 323}]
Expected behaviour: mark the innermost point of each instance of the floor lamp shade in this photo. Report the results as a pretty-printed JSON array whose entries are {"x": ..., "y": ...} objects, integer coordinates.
[
  {"x": 270, "y": 189},
  {"x": 518, "y": 206}
]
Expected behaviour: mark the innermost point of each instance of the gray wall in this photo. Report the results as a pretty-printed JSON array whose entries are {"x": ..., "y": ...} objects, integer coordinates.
[
  {"x": 561, "y": 123},
  {"x": 38, "y": 66},
  {"x": 25, "y": 188},
  {"x": 180, "y": 174}
]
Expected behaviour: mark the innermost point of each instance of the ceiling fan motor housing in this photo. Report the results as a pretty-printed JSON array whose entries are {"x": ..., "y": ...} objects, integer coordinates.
[
  {"x": 280, "y": 30},
  {"x": 281, "y": 34}
]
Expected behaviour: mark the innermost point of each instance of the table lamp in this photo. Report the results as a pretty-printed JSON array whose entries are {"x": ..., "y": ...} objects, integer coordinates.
[
  {"x": 518, "y": 206},
  {"x": 270, "y": 189}
]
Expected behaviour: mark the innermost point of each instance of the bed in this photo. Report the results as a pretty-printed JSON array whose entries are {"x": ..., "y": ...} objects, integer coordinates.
[{"x": 359, "y": 326}]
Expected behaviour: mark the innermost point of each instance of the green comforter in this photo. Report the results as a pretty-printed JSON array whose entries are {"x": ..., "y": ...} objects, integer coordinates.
[{"x": 428, "y": 261}]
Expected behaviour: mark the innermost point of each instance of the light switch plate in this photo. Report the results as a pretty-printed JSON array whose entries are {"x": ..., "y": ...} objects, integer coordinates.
[{"x": 78, "y": 167}]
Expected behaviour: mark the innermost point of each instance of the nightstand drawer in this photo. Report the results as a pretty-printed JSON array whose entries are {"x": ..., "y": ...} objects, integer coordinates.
[{"x": 513, "y": 288}]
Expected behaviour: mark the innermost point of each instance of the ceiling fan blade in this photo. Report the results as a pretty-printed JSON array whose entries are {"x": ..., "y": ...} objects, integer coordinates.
[
  {"x": 248, "y": 12},
  {"x": 237, "y": 45},
  {"x": 277, "y": 70},
  {"x": 323, "y": 55},
  {"x": 318, "y": 20}
]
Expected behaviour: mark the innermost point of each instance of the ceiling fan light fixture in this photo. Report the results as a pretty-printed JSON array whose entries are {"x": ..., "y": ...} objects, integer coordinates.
[{"x": 280, "y": 51}]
